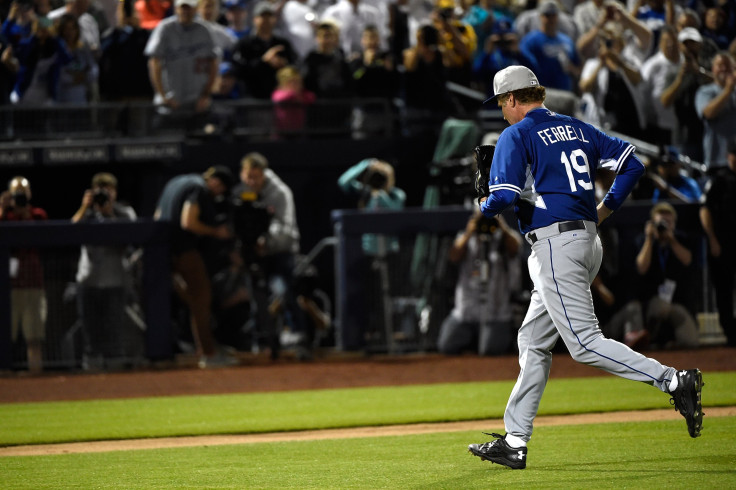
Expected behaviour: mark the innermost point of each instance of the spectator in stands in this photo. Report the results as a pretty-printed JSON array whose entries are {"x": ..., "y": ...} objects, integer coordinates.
[
  {"x": 687, "y": 132},
  {"x": 486, "y": 19},
  {"x": 102, "y": 278},
  {"x": 209, "y": 12},
  {"x": 716, "y": 106},
  {"x": 664, "y": 267},
  {"x": 151, "y": 12},
  {"x": 592, "y": 15},
  {"x": 690, "y": 18},
  {"x": 671, "y": 182},
  {"x": 296, "y": 23},
  {"x": 227, "y": 85},
  {"x": 183, "y": 63},
  {"x": 610, "y": 86},
  {"x": 399, "y": 37},
  {"x": 291, "y": 100},
  {"x": 8, "y": 68},
  {"x": 123, "y": 66},
  {"x": 261, "y": 54},
  {"x": 39, "y": 61},
  {"x": 187, "y": 202},
  {"x": 352, "y": 17},
  {"x": 373, "y": 69},
  {"x": 275, "y": 247},
  {"x": 715, "y": 28},
  {"x": 500, "y": 50},
  {"x": 27, "y": 297},
  {"x": 19, "y": 23},
  {"x": 655, "y": 14},
  {"x": 487, "y": 252},
  {"x": 557, "y": 60},
  {"x": 424, "y": 78},
  {"x": 658, "y": 72},
  {"x": 719, "y": 223},
  {"x": 457, "y": 41},
  {"x": 326, "y": 71},
  {"x": 529, "y": 20},
  {"x": 78, "y": 77},
  {"x": 88, "y": 26},
  {"x": 236, "y": 15}
]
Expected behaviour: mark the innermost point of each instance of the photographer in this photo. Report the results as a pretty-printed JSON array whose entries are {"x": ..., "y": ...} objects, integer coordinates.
[
  {"x": 270, "y": 242},
  {"x": 28, "y": 296},
  {"x": 663, "y": 264},
  {"x": 102, "y": 277},
  {"x": 372, "y": 181},
  {"x": 188, "y": 203},
  {"x": 490, "y": 273}
]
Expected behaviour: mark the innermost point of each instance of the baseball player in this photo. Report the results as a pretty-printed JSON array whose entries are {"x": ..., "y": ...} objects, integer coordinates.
[{"x": 545, "y": 165}]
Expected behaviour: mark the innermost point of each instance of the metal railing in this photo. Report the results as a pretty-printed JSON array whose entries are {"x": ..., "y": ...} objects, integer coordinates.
[{"x": 240, "y": 118}]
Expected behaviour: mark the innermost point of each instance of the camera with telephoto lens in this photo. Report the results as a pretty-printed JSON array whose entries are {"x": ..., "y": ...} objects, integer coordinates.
[
  {"x": 662, "y": 226},
  {"x": 100, "y": 197},
  {"x": 374, "y": 178},
  {"x": 20, "y": 199},
  {"x": 251, "y": 219}
]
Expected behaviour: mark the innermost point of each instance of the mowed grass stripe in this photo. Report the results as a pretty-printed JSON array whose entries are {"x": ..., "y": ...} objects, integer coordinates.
[{"x": 60, "y": 422}]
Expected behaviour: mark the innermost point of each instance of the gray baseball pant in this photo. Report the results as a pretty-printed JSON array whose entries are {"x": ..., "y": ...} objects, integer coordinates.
[{"x": 562, "y": 267}]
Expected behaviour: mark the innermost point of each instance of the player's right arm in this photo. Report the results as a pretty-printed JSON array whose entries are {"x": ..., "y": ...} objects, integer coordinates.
[{"x": 618, "y": 155}]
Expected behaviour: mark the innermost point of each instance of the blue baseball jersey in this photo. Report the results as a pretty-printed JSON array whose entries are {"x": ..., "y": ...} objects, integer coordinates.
[{"x": 546, "y": 165}]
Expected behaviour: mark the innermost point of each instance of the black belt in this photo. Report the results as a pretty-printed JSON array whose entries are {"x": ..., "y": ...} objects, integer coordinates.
[{"x": 562, "y": 227}]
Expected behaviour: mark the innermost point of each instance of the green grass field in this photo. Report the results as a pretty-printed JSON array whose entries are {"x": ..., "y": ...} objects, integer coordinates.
[{"x": 616, "y": 455}]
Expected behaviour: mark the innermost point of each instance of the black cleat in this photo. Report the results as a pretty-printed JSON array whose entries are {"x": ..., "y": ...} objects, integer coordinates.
[
  {"x": 686, "y": 399},
  {"x": 500, "y": 452}
]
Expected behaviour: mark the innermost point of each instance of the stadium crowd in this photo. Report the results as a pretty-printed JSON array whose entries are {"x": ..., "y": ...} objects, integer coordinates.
[
  {"x": 658, "y": 70},
  {"x": 661, "y": 71}
]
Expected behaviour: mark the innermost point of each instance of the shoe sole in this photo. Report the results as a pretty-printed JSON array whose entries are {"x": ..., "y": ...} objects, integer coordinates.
[
  {"x": 504, "y": 462},
  {"x": 697, "y": 417}
]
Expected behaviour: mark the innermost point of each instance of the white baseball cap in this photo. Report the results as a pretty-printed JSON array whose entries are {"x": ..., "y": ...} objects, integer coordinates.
[
  {"x": 512, "y": 78},
  {"x": 689, "y": 34},
  {"x": 191, "y": 3}
]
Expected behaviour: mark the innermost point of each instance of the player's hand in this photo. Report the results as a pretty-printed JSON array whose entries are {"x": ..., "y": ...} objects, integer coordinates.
[{"x": 603, "y": 213}]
